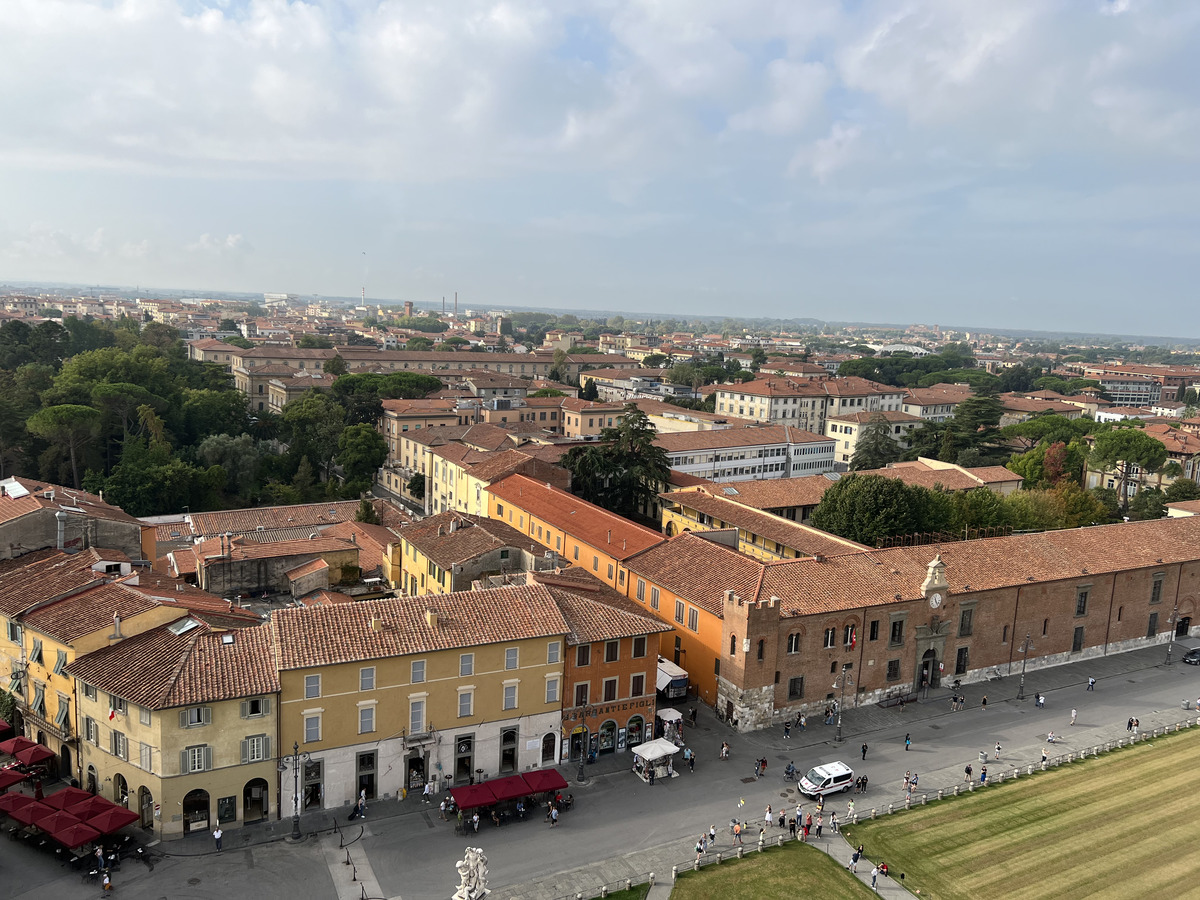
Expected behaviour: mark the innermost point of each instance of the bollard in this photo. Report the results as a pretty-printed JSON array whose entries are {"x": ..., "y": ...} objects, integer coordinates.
[
  {"x": 779, "y": 841},
  {"x": 354, "y": 873},
  {"x": 891, "y": 808},
  {"x": 674, "y": 872},
  {"x": 924, "y": 799},
  {"x": 1000, "y": 778},
  {"x": 720, "y": 856},
  {"x": 1030, "y": 772},
  {"x": 939, "y": 793},
  {"x": 970, "y": 787},
  {"x": 604, "y": 890},
  {"x": 629, "y": 884},
  {"x": 347, "y": 862},
  {"x": 761, "y": 839},
  {"x": 651, "y": 882},
  {"x": 696, "y": 866},
  {"x": 741, "y": 851},
  {"x": 956, "y": 790},
  {"x": 908, "y": 802}
]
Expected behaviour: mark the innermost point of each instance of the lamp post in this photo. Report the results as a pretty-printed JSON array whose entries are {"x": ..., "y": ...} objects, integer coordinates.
[
  {"x": 841, "y": 681},
  {"x": 295, "y": 759},
  {"x": 1026, "y": 646},
  {"x": 1172, "y": 622}
]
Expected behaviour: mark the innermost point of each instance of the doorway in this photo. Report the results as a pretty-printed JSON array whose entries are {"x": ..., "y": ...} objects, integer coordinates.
[
  {"x": 1181, "y": 630},
  {"x": 195, "y": 811},
  {"x": 416, "y": 770},
  {"x": 64, "y": 764},
  {"x": 146, "y": 807},
  {"x": 508, "y": 751},
  {"x": 548, "y": 745},
  {"x": 366, "y": 774},
  {"x": 254, "y": 800},
  {"x": 578, "y": 741},
  {"x": 930, "y": 675}
]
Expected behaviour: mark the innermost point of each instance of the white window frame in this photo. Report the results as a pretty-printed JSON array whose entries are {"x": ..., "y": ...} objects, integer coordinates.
[
  {"x": 366, "y": 678},
  {"x": 553, "y": 652},
  {"x": 366, "y": 711},
  {"x": 510, "y": 695},
  {"x": 416, "y": 715},
  {"x": 466, "y": 665},
  {"x": 552, "y": 695},
  {"x": 308, "y": 719},
  {"x": 466, "y": 697},
  {"x": 512, "y": 658},
  {"x": 312, "y": 687},
  {"x": 416, "y": 671}
]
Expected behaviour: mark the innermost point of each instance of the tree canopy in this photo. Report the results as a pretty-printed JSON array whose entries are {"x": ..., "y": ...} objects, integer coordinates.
[{"x": 624, "y": 470}]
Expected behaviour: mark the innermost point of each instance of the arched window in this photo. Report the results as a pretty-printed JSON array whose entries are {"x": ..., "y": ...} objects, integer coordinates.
[
  {"x": 732, "y": 644},
  {"x": 793, "y": 643}
]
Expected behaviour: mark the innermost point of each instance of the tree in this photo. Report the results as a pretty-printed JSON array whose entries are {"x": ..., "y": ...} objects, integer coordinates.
[
  {"x": 314, "y": 342},
  {"x": 547, "y": 392},
  {"x": 418, "y": 343},
  {"x": 1181, "y": 489},
  {"x": 758, "y": 358},
  {"x": 416, "y": 486},
  {"x": 240, "y": 457},
  {"x": 312, "y": 425},
  {"x": 361, "y": 451},
  {"x": 875, "y": 447},
  {"x": 625, "y": 471},
  {"x": 69, "y": 427},
  {"x": 590, "y": 391},
  {"x": 1148, "y": 503},
  {"x": 366, "y": 513},
  {"x": 1121, "y": 449},
  {"x": 335, "y": 365},
  {"x": 654, "y": 360},
  {"x": 867, "y": 508}
]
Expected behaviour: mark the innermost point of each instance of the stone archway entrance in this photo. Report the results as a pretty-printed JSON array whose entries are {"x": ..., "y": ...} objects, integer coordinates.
[
  {"x": 1183, "y": 626},
  {"x": 254, "y": 800},
  {"x": 146, "y": 807},
  {"x": 195, "y": 811},
  {"x": 930, "y": 674}
]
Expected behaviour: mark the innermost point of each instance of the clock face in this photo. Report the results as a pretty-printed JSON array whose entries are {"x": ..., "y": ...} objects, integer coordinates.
[{"x": 935, "y": 600}]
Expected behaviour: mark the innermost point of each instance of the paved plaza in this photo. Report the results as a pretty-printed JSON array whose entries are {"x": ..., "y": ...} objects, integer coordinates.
[{"x": 622, "y": 828}]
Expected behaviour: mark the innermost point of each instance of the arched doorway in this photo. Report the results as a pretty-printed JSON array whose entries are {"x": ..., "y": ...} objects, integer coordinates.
[
  {"x": 195, "y": 811},
  {"x": 1183, "y": 627},
  {"x": 91, "y": 779},
  {"x": 670, "y": 529},
  {"x": 120, "y": 790},
  {"x": 929, "y": 674},
  {"x": 254, "y": 800},
  {"x": 64, "y": 763},
  {"x": 146, "y": 807},
  {"x": 608, "y": 736},
  {"x": 508, "y": 751},
  {"x": 548, "y": 749},
  {"x": 635, "y": 730},
  {"x": 578, "y": 741}
]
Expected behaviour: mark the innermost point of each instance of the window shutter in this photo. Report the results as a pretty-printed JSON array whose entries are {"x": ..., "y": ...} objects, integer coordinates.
[
  {"x": 183, "y": 718},
  {"x": 207, "y": 759},
  {"x": 245, "y": 752},
  {"x": 183, "y": 762},
  {"x": 245, "y": 709},
  {"x": 266, "y": 706},
  {"x": 36, "y": 656},
  {"x": 266, "y": 748},
  {"x": 206, "y": 715}
]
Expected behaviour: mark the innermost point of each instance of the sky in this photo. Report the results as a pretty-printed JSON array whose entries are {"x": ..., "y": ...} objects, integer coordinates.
[{"x": 1020, "y": 164}]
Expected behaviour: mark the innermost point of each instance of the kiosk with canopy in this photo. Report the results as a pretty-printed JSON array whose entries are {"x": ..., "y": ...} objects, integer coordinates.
[
  {"x": 654, "y": 755},
  {"x": 672, "y": 725}
]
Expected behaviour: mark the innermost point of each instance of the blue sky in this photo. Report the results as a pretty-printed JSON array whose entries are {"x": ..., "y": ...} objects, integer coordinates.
[{"x": 1017, "y": 164}]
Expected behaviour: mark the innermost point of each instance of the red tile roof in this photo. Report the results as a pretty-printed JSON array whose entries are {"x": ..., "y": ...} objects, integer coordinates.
[
  {"x": 22, "y": 496},
  {"x": 75, "y": 616},
  {"x": 594, "y": 611},
  {"x": 450, "y": 537}
]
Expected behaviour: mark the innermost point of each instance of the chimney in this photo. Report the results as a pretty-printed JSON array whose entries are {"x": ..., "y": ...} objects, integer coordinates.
[
  {"x": 819, "y": 557},
  {"x": 610, "y": 535},
  {"x": 116, "y": 635},
  {"x": 60, "y": 518},
  {"x": 431, "y": 618},
  {"x": 376, "y": 623}
]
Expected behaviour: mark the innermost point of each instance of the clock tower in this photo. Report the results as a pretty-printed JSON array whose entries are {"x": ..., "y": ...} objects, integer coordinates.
[{"x": 935, "y": 587}]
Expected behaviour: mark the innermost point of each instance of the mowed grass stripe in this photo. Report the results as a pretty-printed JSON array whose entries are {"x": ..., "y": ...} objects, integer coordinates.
[{"x": 1118, "y": 825}]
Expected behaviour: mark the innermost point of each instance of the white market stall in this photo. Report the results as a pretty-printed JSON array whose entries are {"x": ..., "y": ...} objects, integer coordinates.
[
  {"x": 672, "y": 728},
  {"x": 656, "y": 756}
]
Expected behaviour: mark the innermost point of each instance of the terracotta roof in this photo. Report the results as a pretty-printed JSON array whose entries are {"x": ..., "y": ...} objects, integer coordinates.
[
  {"x": 889, "y": 415},
  {"x": 472, "y": 536},
  {"x": 749, "y": 436},
  {"x": 340, "y": 633},
  {"x": 243, "y": 548},
  {"x": 80, "y": 614},
  {"x": 774, "y": 493},
  {"x": 324, "y": 598},
  {"x": 160, "y": 669},
  {"x": 21, "y": 496},
  {"x": 949, "y": 479},
  {"x": 42, "y": 575},
  {"x": 312, "y": 567},
  {"x": 372, "y": 541},
  {"x": 594, "y": 611},
  {"x": 210, "y": 524},
  {"x": 173, "y": 592},
  {"x": 1023, "y": 405},
  {"x": 499, "y": 465},
  {"x": 601, "y": 529},
  {"x": 699, "y": 570}
]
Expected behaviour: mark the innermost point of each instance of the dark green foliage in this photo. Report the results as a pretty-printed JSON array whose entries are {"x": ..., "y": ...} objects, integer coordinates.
[
  {"x": 875, "y": 447},
  {"x": 625, "y": 470}
]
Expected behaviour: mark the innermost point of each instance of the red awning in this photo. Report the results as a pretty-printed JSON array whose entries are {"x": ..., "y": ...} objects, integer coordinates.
[
  {"x": 10, "y": 802},
  {"x": 31, "y": 756},
  {"x": 54, "y": 820},
  {"x": 472, "y": 795},
  {"x": 76, "y": 835},
  {"x": 68, "y": 797},
  {"x": 509, "y": 788},
  {"x": 544, "y": 780},
  {"x": 113, "y": 819},
  {"x": 87, "y": 807},
  {"x": 4, "y": 727},
  {"x": 30, "y": 812},
  {"x": 12, "y": 745},
  {"x": 9, "y": 777}
]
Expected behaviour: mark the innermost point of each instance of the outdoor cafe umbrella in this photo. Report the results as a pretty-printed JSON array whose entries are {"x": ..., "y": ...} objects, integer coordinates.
[
  {"x": 11, "y": 802},
  {"x": 85, "y": 808},
  {"x": 31, "y": 756},
  {"x": 68, "y": 797},
  {"x": 113, "y": 819},
  {"x": 4, "y": 726},
  {"x": 54, "y": 820},
  {"x": 72, "y": 836},
  {"x": 30, "y": 812},
  {"x": 9, "y": 777},
  {"x": 12, "y": 745}
]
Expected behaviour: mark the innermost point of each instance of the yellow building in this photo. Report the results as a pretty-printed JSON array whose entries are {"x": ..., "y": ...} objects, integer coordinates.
[
  {"x": 384, "y": 695},
  {"x": 180, "y": 724},
  {"x": 450, "y": 551}
]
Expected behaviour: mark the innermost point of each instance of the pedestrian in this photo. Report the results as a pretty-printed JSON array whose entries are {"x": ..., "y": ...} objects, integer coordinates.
[
  {"x": 907, "y": 741},
  {"x": 907, "y": 778},
  {"x": 997, "y": 749},
  {"x": 1044, "y": 756},
  {"x": 724, "y": 749},
  {"x": 764, "y": 765},
  {"x": 475, "y": 822},
  {"x": 792, "y": 827},
  {"x": 820, "y": 824},
  {"x": 854, "y": 857},
  {"x": 712, "y": 835},
  {"x": 691, "y": 760},
  {"x": 737, "y": 832},
  {"x": 1073, "y": 715},
  {"x": 362, "y": 801},
  {"x": 787, "y": 729},
  {"x": 553, "y": 817},
  {"x": 967, "y": 773},
  {"x": 1037, "y": 700},
  {"x": 864, "y": 751},
  {"x": 99, "y": 857},
  {"x": 651, "y": 775},
  {"x": 443, "y": 808},
  {"x": 768, "y": 816},
  {"x": 692, "y": 717},
  {"x": 799, "y": 812},
  {"x": 833, "y": 822},
  {"x": 782, "y": 818},
  {"x": 864, "y": 784},
  {"x": 821, "y": 803},
  {"x": 874, "y": 878},
  {"x": 804, "y": 831},
  {"x": 1129, "y": 724},
  {"x": 107, "y": 881},
  {"x": 1136, "y": 725},
  {"x": 1091, "y": 684},
  {"x": 850, "y": 810},
  {"x": 808, "y": 822},
  {"x": 699, "y": 848},
  {"x": 901, "y": 704},
  {"x": 983, "y": 775},
  {"x": 804, "y": 718},
  {"x": 983, "y": 702},
  {"x": 427, "y": 794},
  {"x": 217, "y": 835}
]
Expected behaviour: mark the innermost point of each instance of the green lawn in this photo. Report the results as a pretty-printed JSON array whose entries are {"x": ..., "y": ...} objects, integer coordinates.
[
  {"x": 1121, "y": 825},
  {"x": 793, "y": 870}
]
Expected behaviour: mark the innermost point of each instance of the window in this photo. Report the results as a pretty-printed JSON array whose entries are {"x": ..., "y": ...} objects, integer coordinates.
[
  {"x": 91, "y": 730},
  {"x": 848, "y": 635},
  {"x": 639, "y": 647},
  {"x": 964, "y": 625},
  {"x": 641, "y": 592},
  {"x": 793, "y": 643},
  {"x": 36, "y": 654},
  {"x": 583, "y": 655},
  {"x": 654, "y": 598},
  {"x": 1120, "y": 612},
  {"x": 1077, "y": 640},
  {"x": 1081, "y": 599},
  {"x": 612, "y": 651},
  {"x": 595, "y": 564},
  {"x": 255, "y": 707},
  {"x": 117, "y": 705},
  {"x": 761, "y": 648},
  {"x": 14, "y": 632},
  {"x": 143, "y": 715},
  {"x": 679, "y": 611},
  {"x": 466, "y": 703},
  {"x": 511, "y": 657},
  {"x": 693, "y": 618},
  {"x": 510, "y": 696},
  {"x": 1152, "y": 627},
  {"x": 89, "y": 691},
  {"x": 195, "y": 716},
  {"x": 312, "y": 729},
  {"x": 1155, "y": 592},
  {"x": 1045, "y": 626},
  {"x": 1004, "y": 635},
  {"x": 893, "y": 670},
  {"x": 637, "y": 685},
  {"x": 256, "y": 749},
  {"x": 897, "y": 632},
  {"x": 551, "y": 690},
  {"x": 875, "y": 630},
  {"x": 796, "y": 688},
  {"x": 366, "y": 679},
  {"x": 830, "y": 638},
  {"x": 553, "y": 651},
  {"x": 581, "y": 694},
  {"x": 417, "y": 674},
  {"x": 119, "y": 745},
  {"x": 61, "y": 663},
  {"x": 962, "y": 661},
  {"x": 366, "y": 719},
  {"x": 145, "y": 757},
  {"x": 196, "y": 759},
  {"x": 312, "y": 686},
  {"x": 416, "y": 716},
  {"x": 610, "y": 690},
  {"x": 732, "y": 644},
  {"x": 466, "y": 664}
]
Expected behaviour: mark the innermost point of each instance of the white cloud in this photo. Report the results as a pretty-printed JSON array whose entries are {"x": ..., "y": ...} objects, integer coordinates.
[
  {"x": 231, "y": 243},
  {"x": 830, "y": 153}
]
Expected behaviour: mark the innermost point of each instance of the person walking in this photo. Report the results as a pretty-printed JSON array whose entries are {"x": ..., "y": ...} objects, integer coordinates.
[
  {"x": 553, "y": 816},
  {"x": 1136, "y": 726},
  {"x": 217, "y": 835},
  {"x": 427, "y": 793},
  {"x": 864, "y": 751},
  {"x": 1091, "y": 684},
  {"x": 983, "y": 702},
  {"x": 768, "y": 817},
  {"x": 820, "y": 825},
  {"x": 833, "y": 822},
  {"x": 1044, "y": 756},
  {"x": 712, "y": 835},
  {"x": 983, "y": 775},
  {"x": 907, "y": 741},
  {"x": 737, "y": 832},
  {"x": 691, "y": 760},
  {"x": 997, "y": 749},
  {"x": 1039, "y": 701},
  {"x": 443, "y": 808},
  {"x": 854, "y": 857},
  {"x": 724, "y": 749},
  {"x": 804, "y": 719},
  {"x": 764, "y": 765},
  {"x": 874, "y": 878},
  {"x": 967, "y": 773},
  {"x": 650, "y": 774},
  {"x": 1074, "y": 713},
  {"x": 787, "y": 729},
  {"x": 699, "y": 848},
  {"x": 850, "y": 810}
]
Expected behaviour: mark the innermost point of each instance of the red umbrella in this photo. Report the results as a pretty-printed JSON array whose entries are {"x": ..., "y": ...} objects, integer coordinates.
[
  {"x": 85, "y": 808},
  {"x": 113, "y": 819},
  {"x": 30, "y": 812},
  {"x": 12, "y": 745},
  {"x": 9, "y": 777},
  {"x": 76, "y": 835},
  {"x": 55, "y": 819},
  {"x": 68, "y": 797},
  {"x": 11, "y": 802},
  {"x": 31, "y": 756},
  {"x": 4, "y": 726}
]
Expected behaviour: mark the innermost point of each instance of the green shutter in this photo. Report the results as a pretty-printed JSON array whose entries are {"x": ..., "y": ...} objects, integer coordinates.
[
  {"x": 62, "y": 662},
  {"x": 36, "y": 655}
]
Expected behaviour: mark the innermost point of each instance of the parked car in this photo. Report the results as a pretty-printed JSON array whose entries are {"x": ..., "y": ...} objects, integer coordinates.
[{"x": 1192, "y": 657}]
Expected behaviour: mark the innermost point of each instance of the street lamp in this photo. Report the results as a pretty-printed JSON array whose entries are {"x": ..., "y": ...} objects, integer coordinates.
[
  {"x": 295, "y": 759},
  {"x": 1026, "y": 646},
  {"x": 1171, "y": 640},
  {"x": 841, "y": 681}
]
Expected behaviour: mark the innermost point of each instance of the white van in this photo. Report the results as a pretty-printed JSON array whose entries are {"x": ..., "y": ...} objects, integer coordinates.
[{"x": 827, "y": 779}]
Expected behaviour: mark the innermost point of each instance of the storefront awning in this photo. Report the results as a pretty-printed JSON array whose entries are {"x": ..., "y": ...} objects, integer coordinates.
[{"x": 660, "y": 748}]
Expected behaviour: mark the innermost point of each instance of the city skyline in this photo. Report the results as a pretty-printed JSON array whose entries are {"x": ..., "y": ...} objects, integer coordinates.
[{"x": 1026, "y": 165}]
